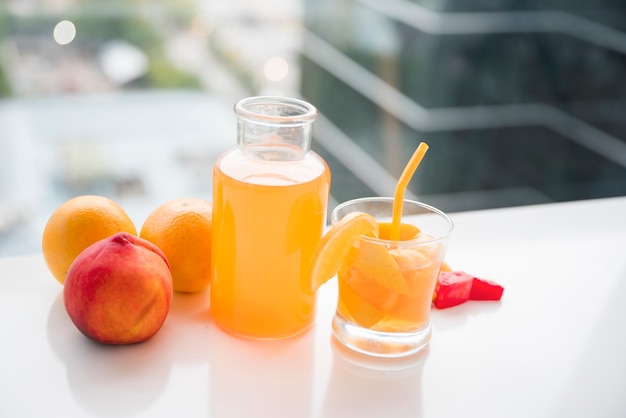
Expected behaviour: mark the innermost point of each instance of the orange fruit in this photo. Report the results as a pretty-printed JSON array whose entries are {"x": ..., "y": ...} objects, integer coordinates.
[
  {"x": 181, "y": 228},
  {"x": 336, "y": 243},
  {"x": 77, "y": 224}
]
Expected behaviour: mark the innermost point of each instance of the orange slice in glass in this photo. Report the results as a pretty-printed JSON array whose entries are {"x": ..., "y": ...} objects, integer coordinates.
[
  {"x": 380, "y": 297},
  {"x": 374, "y": 261},
  {"x": 355, "y": 307},
  {"x": 411, "y": 261},
  {"x": 407, "y": 231},
  {"x": 336, "y": 243}
]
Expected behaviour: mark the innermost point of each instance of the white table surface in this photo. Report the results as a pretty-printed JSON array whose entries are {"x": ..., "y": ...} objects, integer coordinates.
[{"x": 555, "y": 346}]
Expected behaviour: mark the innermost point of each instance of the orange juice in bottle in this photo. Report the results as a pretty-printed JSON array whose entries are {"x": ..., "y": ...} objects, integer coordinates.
[{"x": 270, "y": 195}]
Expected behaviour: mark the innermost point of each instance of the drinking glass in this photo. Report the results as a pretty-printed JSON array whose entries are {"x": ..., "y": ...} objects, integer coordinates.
[{"x": 386, "y": 286}]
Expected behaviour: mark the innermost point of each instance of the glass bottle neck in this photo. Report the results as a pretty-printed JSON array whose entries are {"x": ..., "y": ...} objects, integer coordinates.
[{"x": 274, "y": 128}]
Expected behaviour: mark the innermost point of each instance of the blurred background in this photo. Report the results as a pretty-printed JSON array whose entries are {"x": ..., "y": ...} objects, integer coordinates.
[{"x": 521, "y": 101}]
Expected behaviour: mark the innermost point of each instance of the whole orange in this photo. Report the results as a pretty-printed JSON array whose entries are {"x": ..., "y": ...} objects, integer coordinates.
[
  {"x": 77, "y": 224},
  {"x": 181, "y": 228}
]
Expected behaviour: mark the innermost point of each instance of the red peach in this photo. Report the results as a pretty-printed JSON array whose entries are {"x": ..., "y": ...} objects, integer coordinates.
[{"x": 119, "y": 290}]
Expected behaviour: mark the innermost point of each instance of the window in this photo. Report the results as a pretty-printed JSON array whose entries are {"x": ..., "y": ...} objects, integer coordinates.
[{"x": 521, "y": 101}]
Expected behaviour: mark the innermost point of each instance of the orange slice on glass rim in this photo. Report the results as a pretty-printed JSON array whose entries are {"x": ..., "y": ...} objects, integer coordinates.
[{"x": 336, "y": 243}]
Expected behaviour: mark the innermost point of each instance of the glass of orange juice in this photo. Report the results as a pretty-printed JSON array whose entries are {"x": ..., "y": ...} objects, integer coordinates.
[{"x": 386, "y": 286}]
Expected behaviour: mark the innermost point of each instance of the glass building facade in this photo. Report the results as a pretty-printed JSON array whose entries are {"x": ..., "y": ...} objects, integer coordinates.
[{"x": 522, "y": 102}]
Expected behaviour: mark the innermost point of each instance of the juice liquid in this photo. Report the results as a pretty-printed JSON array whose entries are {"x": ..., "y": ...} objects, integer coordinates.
[
  {"x": 387, "y": 288},
  {"x": 268, "y": 217}
]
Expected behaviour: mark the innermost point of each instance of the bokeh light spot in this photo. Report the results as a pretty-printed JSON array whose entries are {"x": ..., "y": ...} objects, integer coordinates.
[
  {"x": 64, "y": 32},
  {"x": 276, "y": 69}
]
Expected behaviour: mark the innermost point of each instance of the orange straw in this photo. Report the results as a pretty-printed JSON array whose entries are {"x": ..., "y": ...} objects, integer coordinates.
[{"x": 403, "y": 182}]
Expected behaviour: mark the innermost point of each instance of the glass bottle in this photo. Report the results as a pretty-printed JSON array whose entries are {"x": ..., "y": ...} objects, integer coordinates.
[{"x": 270, "y": 195}]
